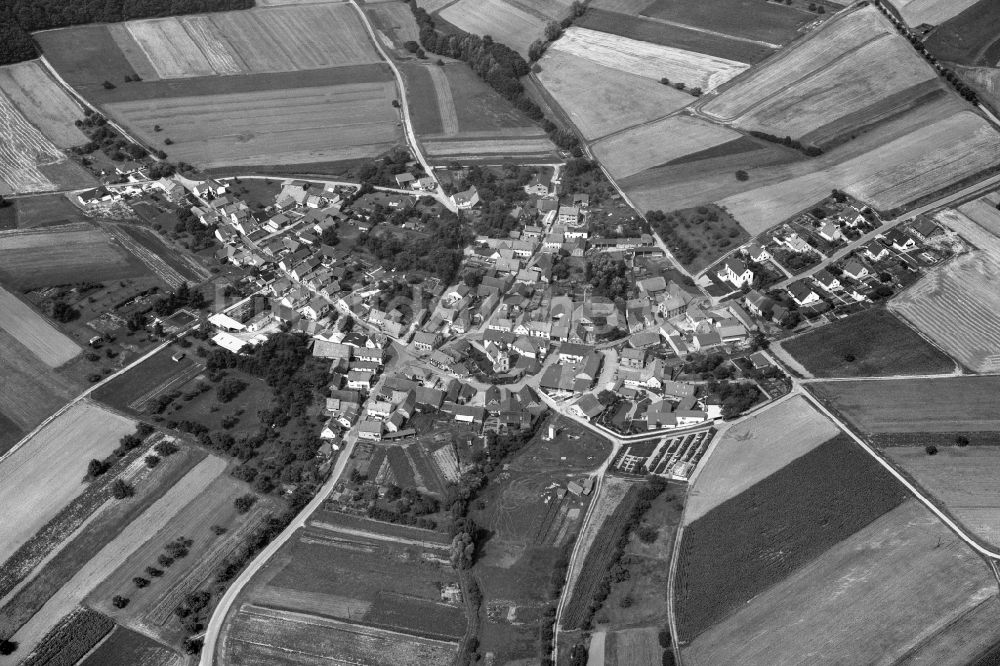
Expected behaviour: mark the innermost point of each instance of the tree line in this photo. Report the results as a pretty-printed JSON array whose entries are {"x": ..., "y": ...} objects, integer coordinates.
[{"x": 18, "y": 18}]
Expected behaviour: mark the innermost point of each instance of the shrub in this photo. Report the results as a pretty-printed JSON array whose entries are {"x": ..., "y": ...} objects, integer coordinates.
[
  {"x": 119, "y": 601},
  {"x": 8, "y": 647},
  {"x": 140, "y": 582},
  {"x": 166, "y": 448},
  {"x": 244, "y": 503},
  {"x": 152, "y": 461},
  {"x": 121, "y": 490},
  {"x": 930, "y": 449},
  {"x": 742, "y": 175},
  {"x": 153, "y": 572},
  {"x": 962, "y": 440}
]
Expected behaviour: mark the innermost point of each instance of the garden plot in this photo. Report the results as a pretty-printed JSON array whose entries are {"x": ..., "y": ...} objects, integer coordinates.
[
  {"x": 652, "y": 61},
  {"x": 35, "y": 332},
  {"x": 601, "y": 100},
  {"x": 957, "y": 305}
]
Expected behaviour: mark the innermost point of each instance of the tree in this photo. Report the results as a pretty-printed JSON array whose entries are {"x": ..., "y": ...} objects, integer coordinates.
[
  {"x": 552, "y": 31},
  {"x": 119, "y": 601},
  {"x": 140, "y": 582},
  {"x": 742, "y": 175},
  {"x": 962, "y": 440},
  {"x": 329, "y": 236},
  {"x": 96, "y": 467},
  {"x": 152, "y": 461},
  {"x": 64, "y": 312},
  {"x": 931, "y": 449},
  {"x": 193, "y": 645},
  {"x": 166, "y": 448},
  {"x": 121, "y": 489},
  {"x": 8, "y": 647},
  {"x": 463, "y": 550},
  {"x": 244, "y": 503}
]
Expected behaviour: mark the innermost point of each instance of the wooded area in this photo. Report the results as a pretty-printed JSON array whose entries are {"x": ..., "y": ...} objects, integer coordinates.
[{"x": 18, "y": 18}]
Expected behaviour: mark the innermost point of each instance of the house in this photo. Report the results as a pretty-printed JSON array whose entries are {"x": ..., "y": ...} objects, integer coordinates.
[
  {"x": 425, "y": 183},
  {"x": 706, "y": 341},
  {"x": 677, "y": 390},
  {"x": 426, "y": 341},
  {"x": 736, "y": 272},
  {"x": 632, "y": 358},
  {"x": 359, "y": 380},
  {"x": 652, "y": 285},
  {"x": 588, "y": 407},
  {"x": 315, "y": 309},
  {"x": 403, "y": 180},
  {"x": 827, "y": 280},
  {"x": 573, "y": 353},
  {"x": 757, "y": 252},
  {"x": 379, "y": 409},
  {"x": 899, "y": 240},
  {"x": 568, "y": 215},
  {"x": 876, "y": 251},
  {"x": 467, "y": 199},
  {"x": 924, "y": 228},
  {"x": 802, "y": 294},
  {"x": 370, "y": 430},
  {"x": 794, "y": 243},
  {"x": 759, "y": 360},
  {"x": 855, "y": 269},
  {"x": 830, "y": 232},
  {"x": 209, "y": 187}
]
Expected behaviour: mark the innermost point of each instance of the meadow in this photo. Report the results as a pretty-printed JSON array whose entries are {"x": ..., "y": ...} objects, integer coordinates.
[
  {"x": 31, "y": 390},
  {"x": 872, "y": 343},
  {"x": 969, "y": 38},
  {"x": 754, "y": 449},
  {"x": 766, "y": 22},
  {"x": 955, "y": 305},
  {"x": 902, "y": 589},
  {"x": 764, "y": 534},
  {"x": 35, "y": 332}
]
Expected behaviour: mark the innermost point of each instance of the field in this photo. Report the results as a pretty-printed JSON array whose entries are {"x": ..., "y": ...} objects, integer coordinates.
[
  {"x": 754, "y": 449},
  {"x": 490, "y": 148},
  {"x": 763, "y": 535},
  {"x": 128, "y": 648},
  {"x": 631, "y": 152},
  {"x": 956, "y": 305},
  {"x": 668, "y": 34},
  {"x": 984, "y": 213},
  {"x": 39, "y": 98},
  {"x": 903, "y": 589},
  {"x": 632, "y": 646},
  {"x": 125, "y": 542},
  {"x": 962, "y": 479},
  {"x": 970, "y": 38},
  {"x": 263, "y": 636},
  {"x": 651, "y": 61},
  {"x": 44, "y": 211},
  {"x": 46, "y": 473},
  {"x": 502, "y": 20},
  {"x": 935, "y": 12},
  {"x": 286, "y": 39},
  {"x": 71, "y": 639},
  {"x": 611, "y": 100},
  {"x": 35, "y": 332},
  {"x": 31, "y": 390},
  {"x": 66, "y": 254},
  {"x": 977, "y": 232},
  {"x": 24, "y": 150},
  {"x": 396, "y": 20},
  {"x": 872, "y": 343},
  {"x": 290, "y": 126},
  {"x": 767, "y": 22},
  {"x": 930, "y": 410},
  {"x": 817, "y": 81}
]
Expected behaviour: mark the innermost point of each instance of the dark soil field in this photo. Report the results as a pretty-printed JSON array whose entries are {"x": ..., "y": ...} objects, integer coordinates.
[
  {"x": 42, "y": 211},
  {"x": 637, "y": 27},
  {"x": 125, "y": 647},
  {"x": 85, "y": 56},
  {"x": 762, "y": 535},
  {"x": 424, "y": 108},
  {"x": 917, "y": 411},
  {"x": 873, "y": 343},
  {"x": 751, "y": 19},
  {"x": 971, "y": 38}
]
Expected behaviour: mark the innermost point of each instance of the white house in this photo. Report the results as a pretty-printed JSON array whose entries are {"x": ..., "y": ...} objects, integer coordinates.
[{"x": 736, "y": 272}]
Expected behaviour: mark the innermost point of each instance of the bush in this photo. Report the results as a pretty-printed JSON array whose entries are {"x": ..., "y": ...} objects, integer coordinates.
[
  {"x": 140, "y": 582},
  {"x": 742, "y": 175},
  {"x": 166, "y": 448},
  {"x": 931, "y": 449},
  {"x": 165, "y": 560},
  {"x": 96, "y": 468},
  {"x": 962, "y": 440},
  {"x": 664, "y": 638},
  {"x": 119, "y": 601},
  {"x": 153, "y": 572},
  {"x": 152, "y": 461},
  {"x": 647, "y": 533},
  {"x": 122, "y": 490},
  {"x": 244, "y": 503},
  {"x": 218, "y": 530},
  {"x": 8, "y": 647}
]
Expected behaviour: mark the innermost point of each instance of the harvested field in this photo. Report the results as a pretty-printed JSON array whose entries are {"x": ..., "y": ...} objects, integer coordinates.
[
  {"x": 778, "y": 525},
  {"x": 128, "y": 648},
  {"x": 67, "y": 254},
  {"x": 651, "y": 61},
  {"x": 23, "y": 149},
  {"x": 30, "y": 390},
  {"x": 671, "y": 34},
  {"x": 505, "y": 22},
  {"x": 947, "y": 406},
  {"x": 262, "y": 636},
  {"x": 397, "y": 18},
  {"x": 131, "y": 537},
  {"x": 935, "y": 12},
  {"x": 611, "y": 100},
  {"x": 956, "y": 306},
  {"x": 486, "y": 148},
  {"x": 295, "y": 126},
  {"x": 284, "y": 39},
  {"x": 34, "y": 331},
  {"x": 636, "y": 150},
  {"x": 47, "y": 471},
  {"x": 961, "y": 479},
  {"x": 633, "y": 646},
  {"x": 445, "y": 101},
  {"x": 754, "y": 449},
  {"x": 872, "y": 343},
  {"x": 768, "y": 22},
  {"x": 896, "y": 591},
  {"x": 38, "y": 97},
  {"x": 970, "y": 38}
]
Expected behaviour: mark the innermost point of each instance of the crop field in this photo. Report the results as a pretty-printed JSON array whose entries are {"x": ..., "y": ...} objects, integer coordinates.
[
  {"x": 971, "y": 231},
  {"x": 39, "y": 98},
  {"x": 955, "y": 305},
  {"x": 611, "y": 99},
  {"x": 46, "y": 473},
  {"x": 970, "y": 38},
  {"x": 763, "y": 535},
  {"x": 45, "y": 211},
  {"x": 490, "y": 148},
  {"x": 31, "y": 390},
  {"x": 34, "y": 331},
  {"x": 651, "y": 61},
  {"x": 71, "y": 639},
  {"x": 263, "y": 636},
  {"x": 872, "y": 343},
  {"x": 66, "y": 254},
  {"x": 668, "y": 34},
  {"x": 632, "y": 646},
  {"x": 396, "y": 19},
  {"x": 124, "y": 646},
  {"x": 984, "y": 213},
  {"x": 753, "y": 450},
  {"x": 902, "y": 589},
  {"x": 505, "y": 22},
  {"x": 293, "y": 126},
  {"x": 962, "y": 479},
  {"x": 622, "y": 6},
  {"x": 935, "y": 12},
  {"x": 23, "y": 150},
  {"x": 767, "y": 22},
  {"x": 128, "y": 540},
  {"x": 636, "y": 150},
  {"x": 285, "y": 39},
  {"x": 924, "y": 407}
]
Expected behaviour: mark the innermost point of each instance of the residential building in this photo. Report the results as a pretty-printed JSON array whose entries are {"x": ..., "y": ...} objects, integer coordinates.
[{"x": 736, "y": 272}]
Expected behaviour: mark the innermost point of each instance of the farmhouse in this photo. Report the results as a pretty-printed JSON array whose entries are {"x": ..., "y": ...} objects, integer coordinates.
[
  {"x": 425, "y": 341},
  {"x": 588, "y": 407},
  {"x": 736, "y": 272}
]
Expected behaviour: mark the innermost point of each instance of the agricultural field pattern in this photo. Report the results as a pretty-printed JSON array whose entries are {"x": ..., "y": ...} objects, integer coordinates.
[{"x": 504, "y": 332}]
